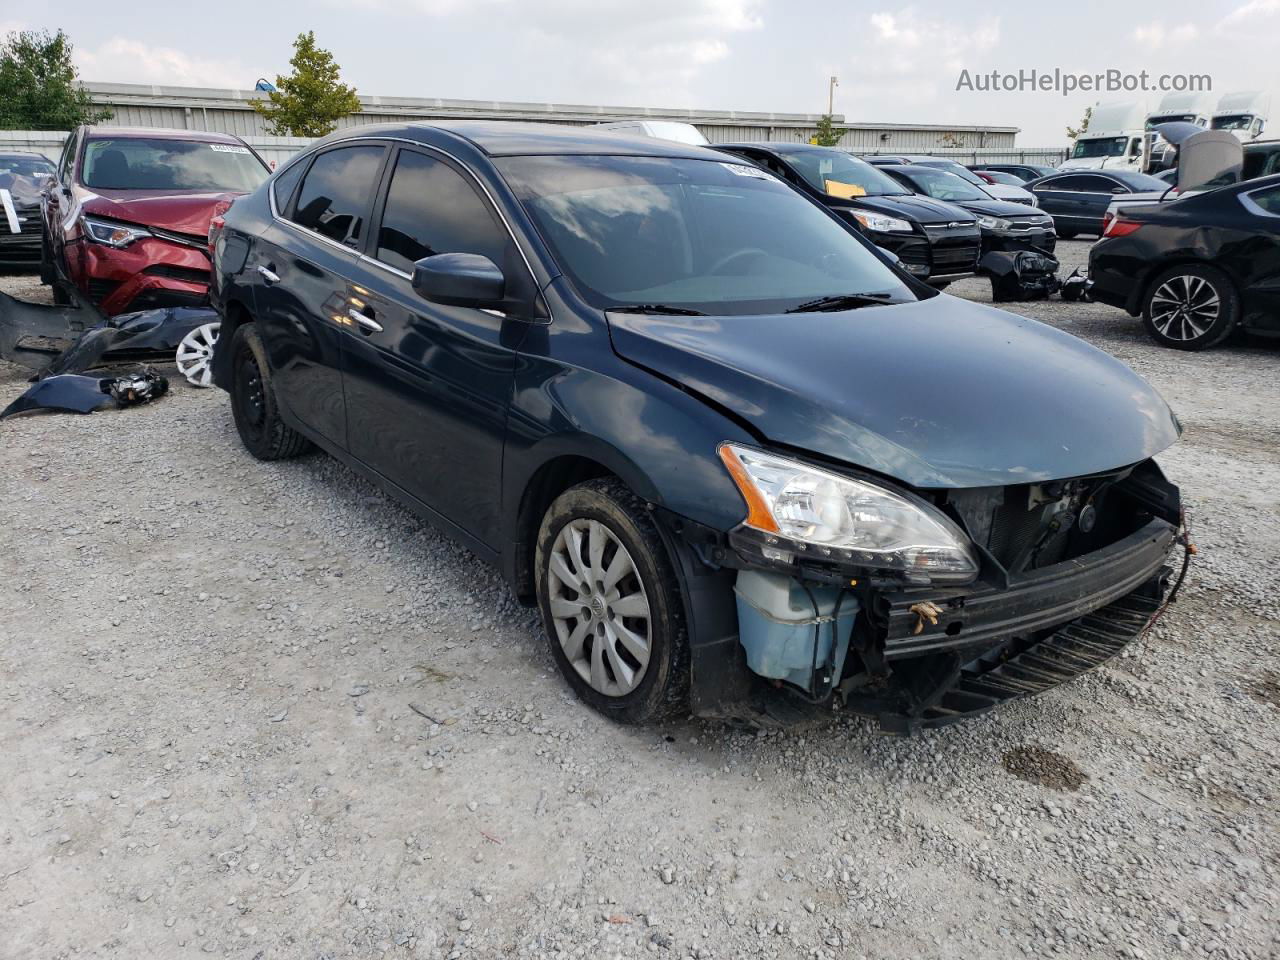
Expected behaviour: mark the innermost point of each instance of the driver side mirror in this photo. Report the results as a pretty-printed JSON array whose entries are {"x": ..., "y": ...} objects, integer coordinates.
[{"x": 459, "y": 280}]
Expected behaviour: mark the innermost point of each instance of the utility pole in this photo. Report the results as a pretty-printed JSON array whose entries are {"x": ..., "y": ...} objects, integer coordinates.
[{"x": 831, "y": 95}]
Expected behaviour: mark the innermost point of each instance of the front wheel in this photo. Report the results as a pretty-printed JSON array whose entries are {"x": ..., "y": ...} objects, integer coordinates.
[
  {"x": 253, "y": 401},
  {"x": 1191, "y": 307},
  {"x": 611, "y": 604}
]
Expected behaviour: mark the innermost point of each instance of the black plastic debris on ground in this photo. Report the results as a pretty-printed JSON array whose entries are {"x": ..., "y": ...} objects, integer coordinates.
[
  {"x": 55, "y": 340},
  {"x": 1077, "y": 287},
  {"x": 1019, "y": 275},
  {"x": 73, "y": 393}
]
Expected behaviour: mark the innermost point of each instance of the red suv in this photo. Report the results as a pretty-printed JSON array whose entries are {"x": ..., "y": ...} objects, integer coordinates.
[{"x": 127, "y": 218}]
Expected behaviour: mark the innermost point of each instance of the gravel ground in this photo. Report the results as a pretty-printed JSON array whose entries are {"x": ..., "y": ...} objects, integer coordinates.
[{"x": 258, "y": 710}]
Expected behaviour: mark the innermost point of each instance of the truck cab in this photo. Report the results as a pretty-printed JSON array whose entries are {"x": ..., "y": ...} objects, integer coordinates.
[{"x": 1113, "y": 140}]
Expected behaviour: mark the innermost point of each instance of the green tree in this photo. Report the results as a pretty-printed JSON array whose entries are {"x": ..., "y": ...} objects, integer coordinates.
[
  {"x": 828, "y": 133},
  {"x": 38, "y": 85},
  {"x": 310, "y": 101},
  {"x": 1074, "y": 132}
]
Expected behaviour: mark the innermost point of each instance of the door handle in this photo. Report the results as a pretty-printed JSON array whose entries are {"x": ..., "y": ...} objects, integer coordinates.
[
  {"x": 269, "y": 275},
  {"x": 368, "y": 324}
]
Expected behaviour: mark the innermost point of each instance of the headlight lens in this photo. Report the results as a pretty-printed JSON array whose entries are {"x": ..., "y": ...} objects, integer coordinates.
[
  {"x": 111, "y": 233},
  {"x": 846, "y": 519},
  {"x": 880, "y": 222},
  {"x": 994, "y": 223}
]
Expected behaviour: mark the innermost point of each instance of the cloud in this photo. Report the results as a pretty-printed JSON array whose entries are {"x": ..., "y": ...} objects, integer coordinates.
[
  {"x": 1156, "y": 36},
  {"x": 907, "y": 53},
  {"x": 647, "y": 53},
  {"x": 120, "y": 60},
  {"x": 1253, "y": 10}
]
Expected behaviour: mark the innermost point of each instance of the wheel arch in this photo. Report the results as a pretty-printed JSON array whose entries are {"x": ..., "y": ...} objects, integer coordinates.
[
  {"x": 564, "y": 464},
  {"x": 234, "y": 314}
]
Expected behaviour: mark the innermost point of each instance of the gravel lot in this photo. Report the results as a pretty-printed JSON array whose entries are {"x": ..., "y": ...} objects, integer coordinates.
[{"x": 258, "y": 710}]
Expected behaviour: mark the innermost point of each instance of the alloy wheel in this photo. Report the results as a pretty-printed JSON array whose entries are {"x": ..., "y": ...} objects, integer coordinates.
[
  {"x": 1185, "y": 307},
  {"x": 599, "y": 607},
  {"x": 195, "y": 351}
]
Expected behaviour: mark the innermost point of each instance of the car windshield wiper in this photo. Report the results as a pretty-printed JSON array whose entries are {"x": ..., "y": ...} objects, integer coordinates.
[
  {"x": 842, "y": 301},
  {"x": 656, "y": 308}
]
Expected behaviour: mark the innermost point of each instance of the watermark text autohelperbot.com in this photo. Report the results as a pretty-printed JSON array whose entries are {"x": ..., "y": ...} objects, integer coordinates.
[{"x": 1067, "y": 83}]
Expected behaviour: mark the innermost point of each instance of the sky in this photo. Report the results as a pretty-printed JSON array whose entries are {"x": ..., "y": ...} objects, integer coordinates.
[{"x": 896, "y": 63}]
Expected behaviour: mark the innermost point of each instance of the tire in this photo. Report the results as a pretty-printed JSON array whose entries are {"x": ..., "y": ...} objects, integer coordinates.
[
  {"x": 1191, "y": 307},
  {"x": 253, "y": 401},
  {"x": 1066, "y": 233},
  {"x": 588, "y": 628}
]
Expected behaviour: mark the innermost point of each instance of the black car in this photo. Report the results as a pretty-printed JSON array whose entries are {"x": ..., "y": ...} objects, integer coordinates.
[
  {"x": 1261, "y": 159},
  {"x": 22, "y": 177},
  {"x": 936, "y": 242},
  {"x": 1025, "y": 172},
  {"x": 1078, "y": 200},
  {"x": 1196, "y": 269},
  {"x": 1005, "y": 225},
  {"x": 739, "y": 461}
]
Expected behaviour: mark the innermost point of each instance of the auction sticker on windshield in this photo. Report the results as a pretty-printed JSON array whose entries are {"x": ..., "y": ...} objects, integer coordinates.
[{"x": 227, "y": 148}]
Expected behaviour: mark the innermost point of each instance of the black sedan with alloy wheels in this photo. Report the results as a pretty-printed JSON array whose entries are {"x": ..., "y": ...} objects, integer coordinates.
[
  {"x": 1196, "y": 269},
  {"x": 742, "y": 463}
]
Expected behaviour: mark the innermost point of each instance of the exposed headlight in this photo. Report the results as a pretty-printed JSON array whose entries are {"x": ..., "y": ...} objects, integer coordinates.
[
  {"x": 994, "y": 223},
  {"x": 880, "y": 223},
  {"x": 111, "y": 233},
  {"x": 847, "y": 520}
]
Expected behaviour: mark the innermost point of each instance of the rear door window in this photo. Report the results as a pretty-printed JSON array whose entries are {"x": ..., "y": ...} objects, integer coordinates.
[
  {"x": 337, "y": 193},
  {"x": 1268, "y": 200},
  {"x": 283, "y": 186},
  {"x": 431, "y": 208}
]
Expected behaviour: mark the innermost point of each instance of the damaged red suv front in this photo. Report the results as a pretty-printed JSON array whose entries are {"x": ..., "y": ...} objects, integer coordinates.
[{"x": 128, "y": 218}]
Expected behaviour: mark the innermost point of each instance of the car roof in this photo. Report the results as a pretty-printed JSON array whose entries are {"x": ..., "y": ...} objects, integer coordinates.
[
  {"x": 25, "y": 155},
  {"x": 503, "y": 138},
  {"x": 779, "y": 147},
  {"x": 160, "y": 133}
]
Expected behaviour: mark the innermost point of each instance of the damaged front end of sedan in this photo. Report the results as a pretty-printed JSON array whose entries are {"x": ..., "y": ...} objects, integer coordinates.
[
  {"x": 969, "y": 599},
  {"x": 922, "y": 541}
]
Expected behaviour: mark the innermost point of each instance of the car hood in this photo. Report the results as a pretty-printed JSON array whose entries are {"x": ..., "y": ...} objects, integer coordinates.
[
  {"x": 913, "y": 207},
  {"x": 999, "y": 208},
  {"x": 1002, "y": 191},
  {"x": 180, "y": 212},
  {"x": 937, "y": 393}
]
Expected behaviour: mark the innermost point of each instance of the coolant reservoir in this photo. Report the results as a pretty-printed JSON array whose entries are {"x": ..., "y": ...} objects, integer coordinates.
[{"x": 779, "y": 627}]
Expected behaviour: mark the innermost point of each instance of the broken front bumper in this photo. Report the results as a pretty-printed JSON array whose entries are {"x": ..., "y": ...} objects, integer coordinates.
[{"x": 1032, "y": 601}]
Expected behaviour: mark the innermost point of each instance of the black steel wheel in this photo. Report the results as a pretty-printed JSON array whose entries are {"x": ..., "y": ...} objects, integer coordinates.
[{"x": 253, "y": 401}]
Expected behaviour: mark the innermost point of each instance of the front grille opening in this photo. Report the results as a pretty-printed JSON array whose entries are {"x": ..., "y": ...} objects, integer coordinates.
[
  {"x": 188, "y": 274},
  {"x": 1028, "y": 526}
]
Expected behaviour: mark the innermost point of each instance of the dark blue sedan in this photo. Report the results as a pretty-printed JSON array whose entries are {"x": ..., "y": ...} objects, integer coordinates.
[{"x": 1078, "y": 200}]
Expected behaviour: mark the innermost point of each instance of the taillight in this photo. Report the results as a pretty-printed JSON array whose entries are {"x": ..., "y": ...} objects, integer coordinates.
[
  {"x": 217, "y": 222},
  {"x": 1120, "y": 228}
]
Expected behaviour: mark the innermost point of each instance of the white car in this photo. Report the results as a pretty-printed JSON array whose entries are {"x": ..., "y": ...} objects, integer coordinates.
[{"x": 658, "y": 129}]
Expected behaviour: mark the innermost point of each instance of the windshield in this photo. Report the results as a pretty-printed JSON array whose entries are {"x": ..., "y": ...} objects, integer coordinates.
[
  {"x": 23, "y": 176},
  {"x": 1099, "y": 147},
  {"x": 718, "y": 238},
  {"x": 135, "y": 163},
  {"x": 941, "y": 184},
  {"x": 1152, "y": 122},
  {"x": 839, "y": 175},
  {"x": 961, "y": 171},
  {"x": 1235, "y": 121}
]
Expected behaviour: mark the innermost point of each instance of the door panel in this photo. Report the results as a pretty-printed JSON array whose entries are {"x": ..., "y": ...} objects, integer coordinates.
[
  {"x": 428, "y": 393},
  {"x": 301, "y": 271}
]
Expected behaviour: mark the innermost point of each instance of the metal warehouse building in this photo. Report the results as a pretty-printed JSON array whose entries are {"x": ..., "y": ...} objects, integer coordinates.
[{"x": 229, "y": 111}]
